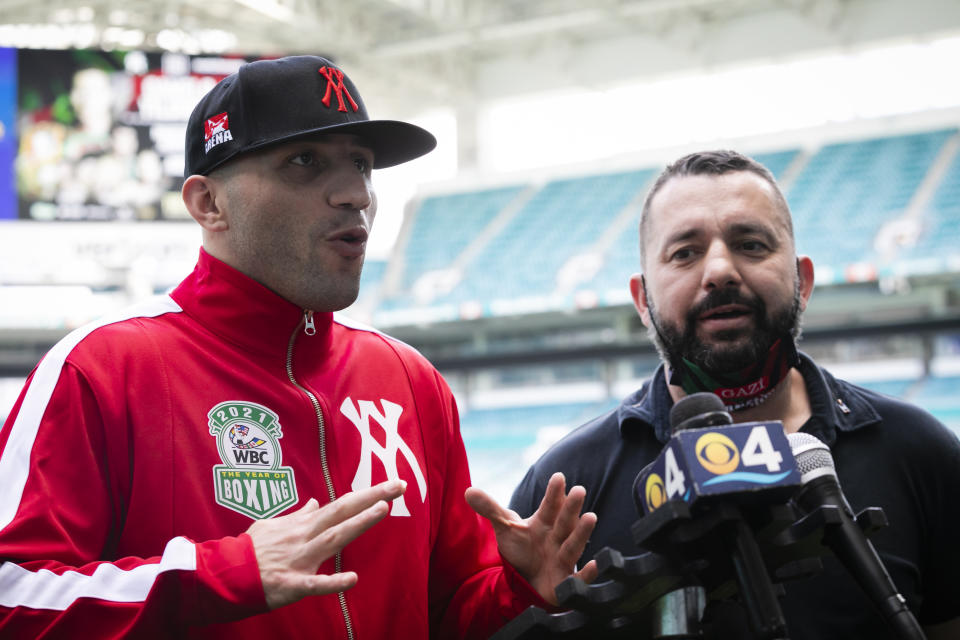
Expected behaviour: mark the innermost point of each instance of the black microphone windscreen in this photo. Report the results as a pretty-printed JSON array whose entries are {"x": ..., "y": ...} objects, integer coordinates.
[{"x": 696, "y": 410}]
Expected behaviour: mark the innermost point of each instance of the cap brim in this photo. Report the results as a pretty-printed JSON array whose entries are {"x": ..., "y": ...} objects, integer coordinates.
[{"x": 393, "y": 142}]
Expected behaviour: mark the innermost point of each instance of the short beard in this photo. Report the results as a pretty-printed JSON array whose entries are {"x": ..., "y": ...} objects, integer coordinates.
[{"x": 674, "y": 345}]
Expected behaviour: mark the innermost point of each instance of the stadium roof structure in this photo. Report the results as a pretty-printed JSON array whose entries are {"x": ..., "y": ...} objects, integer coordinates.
[{"x": 457, "y": 52}]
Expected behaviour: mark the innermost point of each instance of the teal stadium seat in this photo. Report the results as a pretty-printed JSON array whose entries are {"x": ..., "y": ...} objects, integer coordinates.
[
  {"x": 499, "y": 441},
  {"x": 939, "y": 241},
  {"x": 939, "y": 395},
  {"x": 372, "y": 275},
  {"x": 562, "y": 219},
  {"x": 445, "y": 225},
  {"x": 516, "y": 427},
  {"x": 895, "y": 388},
  {"x": 841, "y": 198},
  {"x": 847, "y": 191}
]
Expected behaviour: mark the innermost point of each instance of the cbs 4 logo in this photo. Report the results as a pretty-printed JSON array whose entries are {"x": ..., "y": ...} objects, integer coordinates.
[{"x": 716, "y": 453}]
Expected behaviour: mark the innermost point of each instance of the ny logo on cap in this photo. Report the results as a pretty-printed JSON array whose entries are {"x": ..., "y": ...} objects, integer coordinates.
[{"x": 335, "y": 82}]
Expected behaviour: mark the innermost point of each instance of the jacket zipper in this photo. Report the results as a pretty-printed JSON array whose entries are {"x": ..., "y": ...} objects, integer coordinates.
[{"x": 309, "y": 329}]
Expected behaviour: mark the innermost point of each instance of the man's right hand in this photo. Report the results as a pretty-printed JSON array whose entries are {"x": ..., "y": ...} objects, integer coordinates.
[{"x": 291, "y": 548}]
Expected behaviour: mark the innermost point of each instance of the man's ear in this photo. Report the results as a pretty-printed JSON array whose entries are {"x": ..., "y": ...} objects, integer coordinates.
[
  {"x": 203, "y": 197},
  {"x": 805, "y": 276},
  {"x": 638, "y": 291}
]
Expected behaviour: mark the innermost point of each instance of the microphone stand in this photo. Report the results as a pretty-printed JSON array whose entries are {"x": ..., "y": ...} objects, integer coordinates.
[
  {"x": 722, "y": 538},
  {"x": 662, "y": 594},
  {"x": 677, "y": 614},
  {"x": 756, "y": 588}
]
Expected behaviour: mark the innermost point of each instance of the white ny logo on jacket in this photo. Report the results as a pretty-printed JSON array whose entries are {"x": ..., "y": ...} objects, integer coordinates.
[{"x": 360, "y": 416}]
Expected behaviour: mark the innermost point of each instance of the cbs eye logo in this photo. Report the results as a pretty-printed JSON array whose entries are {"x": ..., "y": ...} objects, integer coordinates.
[
  {"x": 716, "y": 453},
  {"x": 655, "y": 492}
]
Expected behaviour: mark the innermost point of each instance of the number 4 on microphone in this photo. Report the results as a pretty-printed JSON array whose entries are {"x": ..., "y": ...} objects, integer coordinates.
[{"x": 759, "y": 450}]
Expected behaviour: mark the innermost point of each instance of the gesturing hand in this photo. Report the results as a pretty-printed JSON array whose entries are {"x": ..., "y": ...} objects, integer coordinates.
[
  {"x": 290, "y": 548},
  {"x": 545, "y": 547}
]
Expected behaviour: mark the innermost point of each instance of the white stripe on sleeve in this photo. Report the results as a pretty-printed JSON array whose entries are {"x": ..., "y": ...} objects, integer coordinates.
[
  {"x": 15, "y": 460},
  {"x": 47, "y": 590}
]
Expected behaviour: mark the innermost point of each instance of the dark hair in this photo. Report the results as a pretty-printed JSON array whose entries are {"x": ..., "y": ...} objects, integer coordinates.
[{"x": 711, "y": 163}]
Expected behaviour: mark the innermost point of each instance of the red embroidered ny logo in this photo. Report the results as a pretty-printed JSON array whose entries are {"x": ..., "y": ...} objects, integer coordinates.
[{"x": 335, "y": 81}]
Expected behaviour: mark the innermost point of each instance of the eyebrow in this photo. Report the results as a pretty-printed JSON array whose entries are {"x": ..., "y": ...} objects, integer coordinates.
[
  {"x": 736, "y": 229},
  {"x": 682, "y": 236},
  {"x": 749, "y": 228}
]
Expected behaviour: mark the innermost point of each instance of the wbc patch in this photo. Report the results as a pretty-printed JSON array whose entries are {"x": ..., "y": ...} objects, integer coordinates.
[
  {"x": 216, "y": 130},
  {"x": 251, "y": 481}
]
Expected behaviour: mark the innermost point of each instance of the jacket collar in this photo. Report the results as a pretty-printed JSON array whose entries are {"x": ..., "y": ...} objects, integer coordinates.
[
  {"x": 241, "y": 310},
  {"x": 835, "y": 405},
  {"x": 649, "y": 407}
]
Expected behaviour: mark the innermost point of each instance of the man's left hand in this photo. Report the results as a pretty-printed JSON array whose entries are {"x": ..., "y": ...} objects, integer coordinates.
[{"x": 545, "y": 547}]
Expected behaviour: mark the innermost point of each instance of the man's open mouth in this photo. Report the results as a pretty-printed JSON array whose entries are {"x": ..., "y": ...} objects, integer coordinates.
[{"x": 726, "y": 312}]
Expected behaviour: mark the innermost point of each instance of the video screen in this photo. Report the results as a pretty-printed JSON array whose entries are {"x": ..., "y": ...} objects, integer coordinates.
[
  {"x": 8, "y": 138},
  {"x": 99, "y": 134}
]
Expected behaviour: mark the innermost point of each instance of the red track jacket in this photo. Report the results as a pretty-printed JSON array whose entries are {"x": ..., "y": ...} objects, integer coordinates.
[{"x": 143, "y": 445}]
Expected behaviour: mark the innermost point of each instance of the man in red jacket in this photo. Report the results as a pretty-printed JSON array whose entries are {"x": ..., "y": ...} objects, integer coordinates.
[{"x": 204, "y": 464}]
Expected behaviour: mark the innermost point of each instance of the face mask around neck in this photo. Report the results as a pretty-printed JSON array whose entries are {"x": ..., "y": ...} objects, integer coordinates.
[{"x": 742, "y": 389}]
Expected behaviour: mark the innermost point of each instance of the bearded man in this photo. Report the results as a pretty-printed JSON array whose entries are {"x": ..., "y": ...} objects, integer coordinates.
[{"x": 721, "y": 293}]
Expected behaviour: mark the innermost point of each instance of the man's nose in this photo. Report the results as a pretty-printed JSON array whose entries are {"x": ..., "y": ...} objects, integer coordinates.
[
  {"x": 351, "y": 190},
  {"x": 720, "y": 269}
]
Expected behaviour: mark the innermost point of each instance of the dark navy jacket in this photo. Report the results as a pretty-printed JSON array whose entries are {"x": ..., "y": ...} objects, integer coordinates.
[{"x": 888, "y": 454}]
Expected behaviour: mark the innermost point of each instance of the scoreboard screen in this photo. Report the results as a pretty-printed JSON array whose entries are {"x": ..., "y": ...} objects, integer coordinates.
[{"x": 98, "y": 135}]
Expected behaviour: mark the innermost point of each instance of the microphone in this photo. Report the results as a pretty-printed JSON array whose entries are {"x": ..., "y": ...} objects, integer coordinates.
[
  {"x": 715, "y": 520},
  {"x": 708, "y": 457},
  {"x": 698, "y": 410},
  {"x": 820, "y": 487},
  {"x": 714, "y": 467},
  {"x": 703, "y": 409},
  {"x": 678, "y": 612}
]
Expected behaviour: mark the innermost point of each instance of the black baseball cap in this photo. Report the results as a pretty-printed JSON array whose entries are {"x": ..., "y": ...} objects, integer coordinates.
[{"x": 270, "y": 101}]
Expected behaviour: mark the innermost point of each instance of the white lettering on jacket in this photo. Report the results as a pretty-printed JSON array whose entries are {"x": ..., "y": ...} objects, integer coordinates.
[{"x": 389, "y": 419}]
